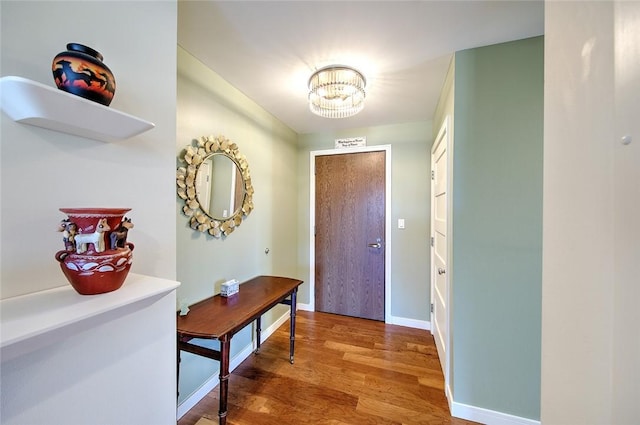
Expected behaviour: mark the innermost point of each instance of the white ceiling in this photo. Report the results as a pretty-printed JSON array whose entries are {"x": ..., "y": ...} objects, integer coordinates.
[{"x": 269, "y": 49}]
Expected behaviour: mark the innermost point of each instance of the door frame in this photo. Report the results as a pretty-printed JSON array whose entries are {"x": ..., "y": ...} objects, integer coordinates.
[
  {"x": 445, "y": 133},
  {"x": 387, "y": 225}
]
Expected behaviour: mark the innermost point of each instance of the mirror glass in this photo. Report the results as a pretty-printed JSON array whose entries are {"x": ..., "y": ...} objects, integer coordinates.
[
  {"x": 215, "y": 185},
  {"x": 219, "y": 186}
]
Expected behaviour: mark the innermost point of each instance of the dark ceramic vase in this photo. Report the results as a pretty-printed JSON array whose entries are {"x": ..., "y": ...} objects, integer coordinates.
[{"x": 80, "y": 71}]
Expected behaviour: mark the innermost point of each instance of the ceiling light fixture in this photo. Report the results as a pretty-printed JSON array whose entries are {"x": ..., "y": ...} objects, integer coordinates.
[{"x": 336, "y": 91}]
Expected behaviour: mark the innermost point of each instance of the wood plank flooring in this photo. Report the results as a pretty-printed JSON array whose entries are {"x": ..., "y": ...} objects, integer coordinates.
[{"x": 347, "y": 371}]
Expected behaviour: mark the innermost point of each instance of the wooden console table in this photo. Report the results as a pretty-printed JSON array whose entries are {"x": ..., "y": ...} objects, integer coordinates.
[{"x": 220, "y": 318}]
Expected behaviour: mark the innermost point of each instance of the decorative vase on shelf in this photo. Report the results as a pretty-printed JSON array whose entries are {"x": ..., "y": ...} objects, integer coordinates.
[
  {"x": 97, "y": 256},
  {"x": 80, "y": 71}
]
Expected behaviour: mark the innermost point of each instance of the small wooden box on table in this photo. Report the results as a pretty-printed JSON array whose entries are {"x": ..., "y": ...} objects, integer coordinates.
[{"x": 222, "y": 317}]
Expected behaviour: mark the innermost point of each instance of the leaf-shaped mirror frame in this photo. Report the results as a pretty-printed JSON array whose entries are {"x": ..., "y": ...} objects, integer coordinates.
[{"x": 194, "y": 155}]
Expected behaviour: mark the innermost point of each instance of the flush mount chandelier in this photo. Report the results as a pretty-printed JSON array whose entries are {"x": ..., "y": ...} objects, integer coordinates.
[{"x": 336, "y": 91}]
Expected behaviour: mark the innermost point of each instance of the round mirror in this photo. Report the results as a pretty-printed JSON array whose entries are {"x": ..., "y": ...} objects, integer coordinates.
[
  {"x": 215, "y": 185},
  {"x": 219, "y": 186}
]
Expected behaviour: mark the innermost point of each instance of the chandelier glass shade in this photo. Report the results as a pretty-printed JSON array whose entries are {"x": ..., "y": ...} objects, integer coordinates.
[{"x": 336, "y": 91}]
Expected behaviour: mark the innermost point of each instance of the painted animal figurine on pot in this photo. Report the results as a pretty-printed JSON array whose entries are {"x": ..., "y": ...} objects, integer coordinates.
[
  {"x": 119, "y": 236},
  {"x": 69, "y": 231},
  {"x": 96, "y": 238}
]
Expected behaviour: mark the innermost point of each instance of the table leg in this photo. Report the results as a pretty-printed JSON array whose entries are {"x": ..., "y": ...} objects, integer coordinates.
[
  {"x": 225, "y": 345},
  {"x": 292, "y": 328},
  {"x": 258, "y": 330}
]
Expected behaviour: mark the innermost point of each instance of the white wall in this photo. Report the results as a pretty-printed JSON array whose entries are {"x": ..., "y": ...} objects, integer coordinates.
[
  {"x": 117, "y": 368},
  {"x": 43, "y": 170},
  {"x": 590, "y": 339},
  {"x": 626, "y": 192},
  {"x": 123, "y": 370}
]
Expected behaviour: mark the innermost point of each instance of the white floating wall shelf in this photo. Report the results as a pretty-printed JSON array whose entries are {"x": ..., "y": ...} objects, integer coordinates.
[
  {"x": 30, "y": 102},
  {"x": 28, "y": 319}
]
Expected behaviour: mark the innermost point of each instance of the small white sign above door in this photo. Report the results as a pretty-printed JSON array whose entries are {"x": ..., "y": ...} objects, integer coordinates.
[{"x": 351, "y": 142}]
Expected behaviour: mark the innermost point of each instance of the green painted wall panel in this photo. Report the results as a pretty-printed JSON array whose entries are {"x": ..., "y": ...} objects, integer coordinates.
[
  {"x": 208, "y": 105},
  {"x": 497, "y": 227}
]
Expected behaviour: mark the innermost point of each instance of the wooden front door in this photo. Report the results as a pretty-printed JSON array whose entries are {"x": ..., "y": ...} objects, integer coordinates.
[{"x": 349, "y": 234}]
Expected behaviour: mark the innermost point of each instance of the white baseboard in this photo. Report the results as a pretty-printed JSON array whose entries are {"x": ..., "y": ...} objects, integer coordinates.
[
  {"x": 392, "y": 320},
  {"x": 449, "y": 396},
  {"x": 410, "y": 323},
  {"x": 487, "y": 417},
  {"x": 304, "y": 307},
  {"x": 209, "y": 385}
]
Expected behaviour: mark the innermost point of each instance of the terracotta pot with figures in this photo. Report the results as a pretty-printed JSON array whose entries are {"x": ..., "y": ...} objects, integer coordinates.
[{"x": 97, "y": 256}]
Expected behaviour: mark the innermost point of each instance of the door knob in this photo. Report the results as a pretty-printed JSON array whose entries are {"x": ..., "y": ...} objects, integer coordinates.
[
  {"x": 376, "y": 245},
  {"x": 441, "y": 270}
]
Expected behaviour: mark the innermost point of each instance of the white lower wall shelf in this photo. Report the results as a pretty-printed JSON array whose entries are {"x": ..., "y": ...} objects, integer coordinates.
[
  {"x": 27, "y": 319},
  {"x": 29, "y": 102}
]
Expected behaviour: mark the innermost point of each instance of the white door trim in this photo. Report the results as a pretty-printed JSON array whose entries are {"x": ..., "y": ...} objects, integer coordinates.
[
  {"x": 445, "y": 134},
  {"x": 387, "y": 226}
]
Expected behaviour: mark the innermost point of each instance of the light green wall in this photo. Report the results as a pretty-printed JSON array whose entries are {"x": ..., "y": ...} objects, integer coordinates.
[
  {"x": 410, "y": 191},
  {"x": 208, "y": 105},
  {"x": 497, "y": 227}
]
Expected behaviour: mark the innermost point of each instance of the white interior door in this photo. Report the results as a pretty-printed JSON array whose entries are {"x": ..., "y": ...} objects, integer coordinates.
[{"x": 439, "y": 247}]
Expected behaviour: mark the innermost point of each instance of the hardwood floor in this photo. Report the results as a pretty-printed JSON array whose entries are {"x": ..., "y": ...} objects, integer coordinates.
[{"x": 347, "y": 371}]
